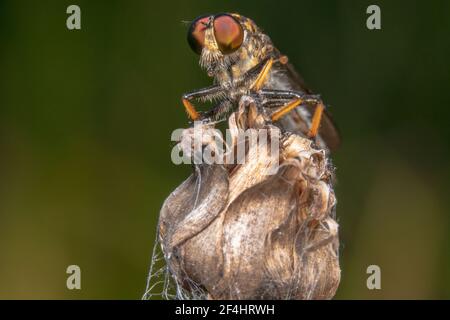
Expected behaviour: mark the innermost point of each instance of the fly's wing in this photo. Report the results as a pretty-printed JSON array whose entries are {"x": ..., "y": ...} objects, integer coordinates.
[
  {"x": 328, "y": 130},
  {"x": 295, "y": 79}
]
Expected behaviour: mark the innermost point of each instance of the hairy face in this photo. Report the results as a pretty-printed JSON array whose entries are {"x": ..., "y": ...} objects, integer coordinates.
[{"x": 220, "y": 39}]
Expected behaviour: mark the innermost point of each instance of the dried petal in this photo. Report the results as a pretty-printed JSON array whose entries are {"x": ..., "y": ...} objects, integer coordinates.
[{"x": 247, "y": 231}]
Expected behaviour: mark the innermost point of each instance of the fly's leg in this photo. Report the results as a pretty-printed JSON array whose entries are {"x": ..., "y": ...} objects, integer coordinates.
[
  {"x": 202, "y": 94},
  {"x": 255, "y": 78},
  {"x": 262, "y": 76},
  {"x": 292, "y": 99},
  {"x": 190, "y": 109},
  {"x": 220, "y": 111},
  {"x": 262, "y": 71},
  {"x": 316, "y": 119}
]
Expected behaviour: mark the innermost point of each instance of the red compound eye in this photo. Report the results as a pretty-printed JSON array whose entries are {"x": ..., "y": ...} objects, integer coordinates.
[
  {"x": 196, "y": 34},
  {"x": 228, "y": 33}
]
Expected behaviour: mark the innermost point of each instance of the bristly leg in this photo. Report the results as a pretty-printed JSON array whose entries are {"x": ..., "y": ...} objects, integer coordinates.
[
  {"x": 256, "y": 76},
  {"x": 221, "y": 111},
  {"x": 208, "y": 93},
  {"x": 290, "y": 100}
]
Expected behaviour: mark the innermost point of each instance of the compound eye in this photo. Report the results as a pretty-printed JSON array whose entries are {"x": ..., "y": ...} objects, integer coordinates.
[
  {"x": 196, "y": 34},
  {"x": 228, "y": 33}
]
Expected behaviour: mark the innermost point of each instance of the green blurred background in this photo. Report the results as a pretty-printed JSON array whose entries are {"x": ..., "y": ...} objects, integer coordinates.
[{"x": 86, "y": 118}]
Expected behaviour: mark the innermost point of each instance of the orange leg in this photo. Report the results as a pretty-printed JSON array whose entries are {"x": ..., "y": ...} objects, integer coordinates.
[
  {"x": 205, "y": 93},
  {"x": 315, "y": 122},
  {"x": 190, "y": 109},
  {"x": 262, "y": 76},
  {"x": 285, "y": 109}
]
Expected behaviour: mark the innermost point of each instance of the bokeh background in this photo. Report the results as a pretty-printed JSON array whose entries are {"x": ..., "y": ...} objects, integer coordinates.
[{"x": 86, "y": 118}]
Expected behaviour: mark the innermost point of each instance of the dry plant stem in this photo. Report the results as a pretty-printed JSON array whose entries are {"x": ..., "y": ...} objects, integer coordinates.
[{"x": 236, "y": 232}]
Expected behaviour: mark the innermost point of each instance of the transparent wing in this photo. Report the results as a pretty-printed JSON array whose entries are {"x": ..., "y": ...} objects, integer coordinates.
[{"x": 328, "y": 130}]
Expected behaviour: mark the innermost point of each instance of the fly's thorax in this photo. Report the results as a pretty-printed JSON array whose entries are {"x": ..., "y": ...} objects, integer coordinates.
[
  {"x": 255, "y": 50},
  {"x": 237, "y": 92},
  {"x": 235, "y": 76}
]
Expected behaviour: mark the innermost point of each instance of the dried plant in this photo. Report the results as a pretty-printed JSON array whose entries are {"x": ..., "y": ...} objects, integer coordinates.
[{"x": 236, "y": 231}]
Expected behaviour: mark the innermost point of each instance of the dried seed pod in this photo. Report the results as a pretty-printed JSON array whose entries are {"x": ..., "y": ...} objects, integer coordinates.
[{"x": 239, "y": 232}]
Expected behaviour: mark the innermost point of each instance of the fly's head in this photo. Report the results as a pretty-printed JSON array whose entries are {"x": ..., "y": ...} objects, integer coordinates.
[{"x": 227, "y": 40}]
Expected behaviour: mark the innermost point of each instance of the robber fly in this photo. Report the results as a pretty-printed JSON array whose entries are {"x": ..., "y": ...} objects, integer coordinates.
[{"x": 243, "y": 61}]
